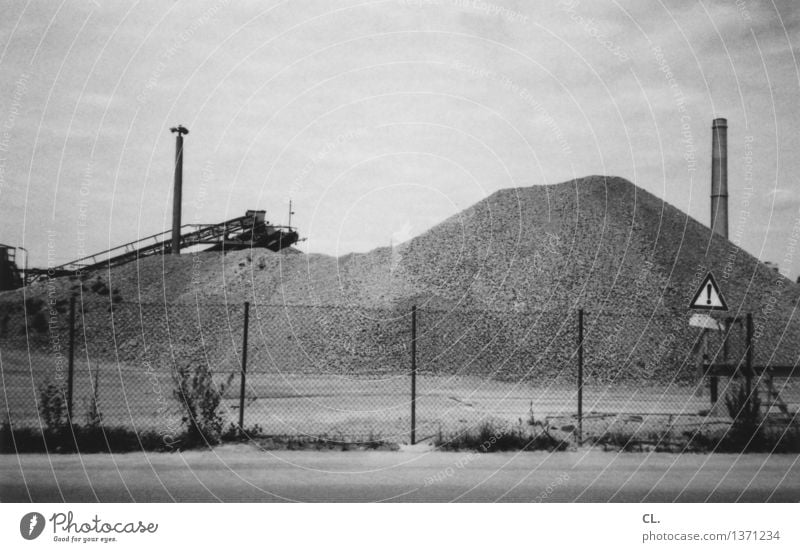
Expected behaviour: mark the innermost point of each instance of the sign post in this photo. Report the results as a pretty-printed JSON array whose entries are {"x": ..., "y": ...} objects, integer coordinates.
[{"x": 708, "y": 297}]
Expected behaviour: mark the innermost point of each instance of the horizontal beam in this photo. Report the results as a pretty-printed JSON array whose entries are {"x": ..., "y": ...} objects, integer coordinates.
[{"x": 731, "y": 370}]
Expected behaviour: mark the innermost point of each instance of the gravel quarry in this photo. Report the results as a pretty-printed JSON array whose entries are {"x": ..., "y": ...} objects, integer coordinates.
[{"x": 497, "y": 287}]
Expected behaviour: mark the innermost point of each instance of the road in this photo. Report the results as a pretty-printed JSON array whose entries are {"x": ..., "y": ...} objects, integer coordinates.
[{"x": 243, "y": 473}]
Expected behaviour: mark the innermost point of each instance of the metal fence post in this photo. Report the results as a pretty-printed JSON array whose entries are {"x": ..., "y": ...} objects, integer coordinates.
[
  {"x": 244, "y": 365},
  {"x": 713, "y": 381},
  {"x": 748, "y": 378},
  {"x": 71, "y": 359},
  {"x": 580, "y": 376},
  {"x": 414, "y": 375}
]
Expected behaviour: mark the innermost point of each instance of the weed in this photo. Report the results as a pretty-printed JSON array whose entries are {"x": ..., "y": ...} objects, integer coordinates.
[
  {"x": 491, "y": 436},
  {"x": 200, "y": 397},
  {"x": 94, "y": 418},
  {"x": 84, "y": 439},
  {"x": 52, "y": 406},
  {"x": 746, "y": 433}
]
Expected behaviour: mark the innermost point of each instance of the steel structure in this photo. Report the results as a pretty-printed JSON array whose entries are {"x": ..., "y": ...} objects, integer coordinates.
[{"x": 248, "y": 231}]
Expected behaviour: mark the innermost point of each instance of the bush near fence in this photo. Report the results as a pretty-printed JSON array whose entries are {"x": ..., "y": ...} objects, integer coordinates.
[{"x": 343, "y": 373}]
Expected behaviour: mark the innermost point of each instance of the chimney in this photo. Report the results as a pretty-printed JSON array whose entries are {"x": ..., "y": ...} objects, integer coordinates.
[
  {"x": 719, "y": 177},
  {"x": 177, "y": 192}
]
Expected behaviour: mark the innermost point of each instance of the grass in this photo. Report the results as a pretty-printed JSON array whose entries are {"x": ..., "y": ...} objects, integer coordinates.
[
  {"x": 256, "y": 435},
  {"x": 493, "y": 436},
  {"x": 83, "y": 439},
  {"x": 98, "y": 439},
  {"x": 768, "y": 437},
  {"x": 321, "y": 442}
]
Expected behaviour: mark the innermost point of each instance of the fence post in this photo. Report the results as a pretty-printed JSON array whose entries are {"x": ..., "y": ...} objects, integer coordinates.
[
  {"x": 748, "y": 378},
  {"x": 71, "y": 359},
  {"x": 244, "y": 365},
  {"x": 414, "y": 375},
  {"x": 713, "y": 382},
  {"x": 580, "y": 376}
]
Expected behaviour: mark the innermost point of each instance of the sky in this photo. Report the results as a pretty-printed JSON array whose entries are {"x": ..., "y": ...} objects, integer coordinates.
[{"x": 380, "y": 119}]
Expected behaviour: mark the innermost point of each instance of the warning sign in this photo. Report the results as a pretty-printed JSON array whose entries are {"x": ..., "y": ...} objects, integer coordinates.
[{"x": 708, "y": 296}]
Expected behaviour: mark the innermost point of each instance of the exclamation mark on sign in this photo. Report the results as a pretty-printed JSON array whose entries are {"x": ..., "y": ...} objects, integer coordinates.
[{"x": 708, "y": 293}]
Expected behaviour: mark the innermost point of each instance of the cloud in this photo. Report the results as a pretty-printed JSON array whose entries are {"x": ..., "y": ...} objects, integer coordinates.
[{"x": 262, "y": 88}]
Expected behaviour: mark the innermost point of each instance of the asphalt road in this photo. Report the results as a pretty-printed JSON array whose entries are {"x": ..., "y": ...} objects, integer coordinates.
[{"x": 243, "y": 473}]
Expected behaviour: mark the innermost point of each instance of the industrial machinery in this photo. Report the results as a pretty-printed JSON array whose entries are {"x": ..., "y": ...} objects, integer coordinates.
[
  {"x": 248, "y": 231},
  {"x": 245, "y": 232},
  {"x": 10, "y": 275}
]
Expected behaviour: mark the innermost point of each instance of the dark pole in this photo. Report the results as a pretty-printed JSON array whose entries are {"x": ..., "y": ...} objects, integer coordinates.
[
  {"x": 713, "y": 383},
  {"x": 178, "y": 189},
  {"x": 414, "y": 375},
  {"x": 719, "y": 209},
  {"x": 71, "y": 360},
  {"x": 719, "y": 177},
  {"x": 580, "y": 376},
  {"x": 244, "y": 365},
  {"x": 749, "y": 359},
  {"x": 726, "y": 328}
]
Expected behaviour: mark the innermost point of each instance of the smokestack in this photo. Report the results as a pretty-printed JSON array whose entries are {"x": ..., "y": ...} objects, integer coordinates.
[
  {"x": 178, "y": 189},
  {"x": 719, "y": 177}
]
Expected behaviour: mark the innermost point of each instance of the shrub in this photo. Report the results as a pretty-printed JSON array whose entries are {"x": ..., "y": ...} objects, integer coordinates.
[
  {"x": 743, "y": 409},
  {"x": 52, "y": 406},
  {"x": 200, "y": 398},
  {"x": 94, "y": 418},
  {"x": 82, "y": 439},
  {"x": 493, "y": 436},
  {"x": 746, "y": 433},
  {"x": 100, "y": 287},
  {"x": 39, "y": 322}
]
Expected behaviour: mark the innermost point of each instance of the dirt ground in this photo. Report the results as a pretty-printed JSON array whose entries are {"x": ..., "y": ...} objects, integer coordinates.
[{"x": 333, "y": 405}]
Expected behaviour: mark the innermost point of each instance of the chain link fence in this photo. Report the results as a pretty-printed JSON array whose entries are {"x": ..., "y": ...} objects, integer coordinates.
[{"x": 398, "y": 375}]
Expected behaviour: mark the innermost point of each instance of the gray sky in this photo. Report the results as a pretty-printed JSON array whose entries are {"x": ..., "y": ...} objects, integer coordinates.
[{"x": 380, "y": 119}]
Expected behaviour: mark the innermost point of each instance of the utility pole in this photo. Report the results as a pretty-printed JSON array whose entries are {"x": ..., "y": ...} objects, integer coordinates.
[{"x": 180, "y": 130}]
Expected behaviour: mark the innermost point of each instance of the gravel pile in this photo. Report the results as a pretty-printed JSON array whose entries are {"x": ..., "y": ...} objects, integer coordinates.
[{"x": 530, "y": 256}]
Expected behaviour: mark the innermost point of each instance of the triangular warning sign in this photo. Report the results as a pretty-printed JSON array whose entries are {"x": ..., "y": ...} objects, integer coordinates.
[{"x": 708, "y": 296}]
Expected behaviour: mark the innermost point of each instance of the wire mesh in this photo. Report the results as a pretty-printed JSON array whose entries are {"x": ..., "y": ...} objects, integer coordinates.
[{"x": 344, "y": 372}]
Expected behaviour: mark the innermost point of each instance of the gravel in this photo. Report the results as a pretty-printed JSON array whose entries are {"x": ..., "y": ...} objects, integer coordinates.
[{"x": 498, "y": 287}]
